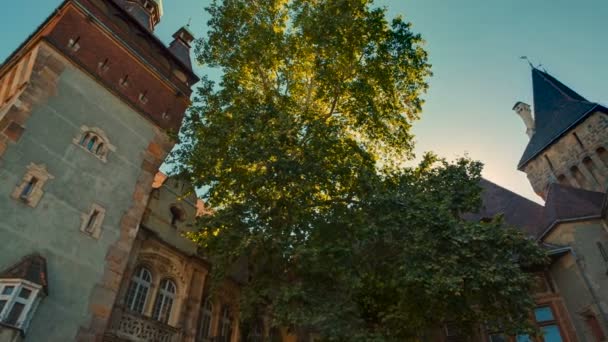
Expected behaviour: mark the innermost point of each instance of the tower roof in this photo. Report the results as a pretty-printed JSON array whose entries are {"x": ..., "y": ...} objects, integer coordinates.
[{"x": 556, "y": 109}]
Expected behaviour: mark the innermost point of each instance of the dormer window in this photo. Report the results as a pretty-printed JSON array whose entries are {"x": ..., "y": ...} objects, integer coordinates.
[{"x": 95, "y": 141}]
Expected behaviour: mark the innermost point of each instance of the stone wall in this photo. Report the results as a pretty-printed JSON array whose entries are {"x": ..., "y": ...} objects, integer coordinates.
[{"x": 576, "y": 159}]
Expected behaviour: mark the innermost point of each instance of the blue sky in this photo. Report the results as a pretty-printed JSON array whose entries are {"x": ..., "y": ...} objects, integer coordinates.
[{"x": 474, "y": 46}]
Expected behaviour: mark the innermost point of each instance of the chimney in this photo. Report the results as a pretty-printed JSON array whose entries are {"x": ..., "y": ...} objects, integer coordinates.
[{"x": 523, "y": 110}]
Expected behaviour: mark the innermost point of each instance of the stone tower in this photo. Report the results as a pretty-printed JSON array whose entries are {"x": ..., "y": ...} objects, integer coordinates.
[
  {"x": 568, "y": 138},
  {"x": 85, "y": 106}
]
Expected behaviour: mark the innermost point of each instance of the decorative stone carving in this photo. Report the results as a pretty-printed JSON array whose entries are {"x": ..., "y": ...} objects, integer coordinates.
[{"x": 138, "y": 328}]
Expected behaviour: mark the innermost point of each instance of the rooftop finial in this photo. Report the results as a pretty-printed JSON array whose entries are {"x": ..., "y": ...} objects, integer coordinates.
[
  {"x": 527, "y": 60},
  {"x": 189, "y": 22}
]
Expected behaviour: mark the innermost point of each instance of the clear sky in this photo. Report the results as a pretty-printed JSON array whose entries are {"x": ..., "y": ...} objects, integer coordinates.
[{"x": 474, "y": 47}]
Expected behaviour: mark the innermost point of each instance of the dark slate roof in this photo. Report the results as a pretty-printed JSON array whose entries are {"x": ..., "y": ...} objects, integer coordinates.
[
  {"x": 517, "y": 210},
  {"x": 556, "y": 109},
  {"x": 31, "y": 268},
  {"x": 567, "y": 203}
]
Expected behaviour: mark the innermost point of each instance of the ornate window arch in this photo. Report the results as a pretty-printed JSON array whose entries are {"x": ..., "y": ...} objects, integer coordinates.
[
  {"x": 139, "y": 288},
  {"x": 95, "y": 141},
  {"x": 164, "y": 301}
]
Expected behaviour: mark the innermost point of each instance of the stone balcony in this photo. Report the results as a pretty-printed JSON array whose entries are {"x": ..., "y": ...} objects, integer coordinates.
[{"x": 130, "y": 326}]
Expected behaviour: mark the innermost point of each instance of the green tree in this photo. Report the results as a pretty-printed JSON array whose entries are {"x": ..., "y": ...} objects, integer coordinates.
[{"x": 302, "y": 149}]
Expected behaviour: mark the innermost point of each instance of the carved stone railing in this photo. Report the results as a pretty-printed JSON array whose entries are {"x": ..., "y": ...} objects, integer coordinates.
[{"x": 130, "y": 326}]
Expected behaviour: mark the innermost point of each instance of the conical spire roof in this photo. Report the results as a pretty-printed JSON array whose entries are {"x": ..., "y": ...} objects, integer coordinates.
[{"x": 557, "y": 108}]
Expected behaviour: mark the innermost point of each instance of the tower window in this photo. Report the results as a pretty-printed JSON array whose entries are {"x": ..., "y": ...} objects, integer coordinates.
[
  {"x": 94, "y": 141},
  {"x": 124, "y": 81},
  {"x": 31, "y": 188},
  {"x": 177, "y": 214},
  {"x": 27, "y": 189},
  {"x": 578, "y": 140},
  {"x": 73, "y": 44},
  {"x": 549, "y": 162},
  {"x": 578, "y": 176},
  {"x": 92, "y": 221}
]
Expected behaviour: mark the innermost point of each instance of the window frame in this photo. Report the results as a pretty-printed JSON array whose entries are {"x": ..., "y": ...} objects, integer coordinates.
[{"x": 30, "y": 303}]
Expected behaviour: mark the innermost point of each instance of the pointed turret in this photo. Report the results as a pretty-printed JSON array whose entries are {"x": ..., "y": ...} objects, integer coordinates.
[{"x": 557, "y": 108}]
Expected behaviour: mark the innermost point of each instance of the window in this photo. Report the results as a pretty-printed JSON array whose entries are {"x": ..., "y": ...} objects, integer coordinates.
[
  {"x": 92, "y": 221},
  {"x": 548, "y": 325},
  {"x": 27, "y": 189},
  {"x": 177, "y": 214},
  {"x": 497, "y": 338},
  {"x": 94, "y": 141},
  {"x": 164, "y": 301},
  {"x": 204, "y": 330},
  {"x": 30, "y": 190},
  {"x": 18, "y": 301},
  {"x": 226, "y": 325},
  {"x": 137, "y": 293}
]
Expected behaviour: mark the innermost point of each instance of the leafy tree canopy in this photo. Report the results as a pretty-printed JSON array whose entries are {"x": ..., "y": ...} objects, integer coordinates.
[{"x": 302, "y": 147}]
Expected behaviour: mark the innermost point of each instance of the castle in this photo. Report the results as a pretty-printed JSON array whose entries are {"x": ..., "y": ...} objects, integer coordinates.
[{"x": 92, "y": 234}]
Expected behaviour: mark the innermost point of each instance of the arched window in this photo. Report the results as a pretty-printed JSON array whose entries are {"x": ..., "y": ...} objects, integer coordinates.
[
  {"x": 137, "y": 294},
  {"x": 226, "y": 325},
  {"x": 579, "y": 177},
  {"x": 204, "y": 329},
  {"x": 92, "y": 143},
  {"x": 164, "y": 301},
  {"x": 95, "y": 141}
]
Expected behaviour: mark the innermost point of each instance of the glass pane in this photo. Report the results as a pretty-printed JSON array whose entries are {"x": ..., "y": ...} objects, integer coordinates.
[
  {"x": 25, "y": 293},
  {"x": 551, "y": 333},
  {"x": 2, "y": 304},
  {"x": 543, "y": 314},
  {"x": 498, "y": 338},
  {"x": 8, "y": 290},
  {"x": 523, "y": 338},
  {"x": 14, "y": 314}
]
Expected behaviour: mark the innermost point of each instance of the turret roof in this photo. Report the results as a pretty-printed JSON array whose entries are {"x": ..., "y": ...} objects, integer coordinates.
[{"x": 557, "y": 108}]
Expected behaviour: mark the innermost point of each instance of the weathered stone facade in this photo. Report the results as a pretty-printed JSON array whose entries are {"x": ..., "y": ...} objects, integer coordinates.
[{"x": 578, "y": 159}]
